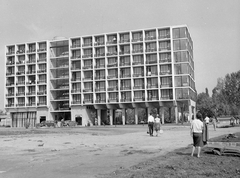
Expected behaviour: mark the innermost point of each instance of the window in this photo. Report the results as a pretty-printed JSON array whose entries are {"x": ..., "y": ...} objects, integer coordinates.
[
  {"x": 166, "y": 81},
  {"x": 137, "y": 48},
  {"x": 100, "y": 51},
  {"x": 166, "y": 94},
  {"x": 165, "y": 57},
  {"x": 42, "y": 46},
  {"x": 100, "y": 74},
  {"x": 124, "y": 37},
  {"x": 181, "y": 56},
  {"x": 77, "y": 98},
  {"x": 138, "y": 70},
  {"x": 180, "y": 32},
  {"x": 165, "y": 69},
  {"x": 88, "y": 74},
  {"x": 112, "y": 84},
  {"x": 152, "y": 83},
  {"x": 126, "y": 84},
  {"x": 180, "y": 44},
  {"x": 76, "y": 43},
  {"x": 88, "y": 63},
  {"x": 139, "y": 95},
  {"x": 182, "y": 93},
  {"x": 138, "y": 59},
  {"x": 87, "y": 41},
  {"x": 76, "y": 54},
  {"x": 164, "y": 45},
  {"x": 100, "y": 63},
  {"x": 151, "y": 58},
  {"x": 182, "y": 69},
  {"x": 100, "y": 40},
  {"x": 125, "y": 60},
  {"x": 150, "y": 35},
  {"x": 32, "y": 57},
  {"x": 88, "y": 97},
  {"x": 76, "y": 87},
  {"x": 113, "y": 96},
  {"x": 88, "y": 86},
  {"x": 138, "y": 82},
  {"x": 112, "y": 60},
  {"x": 137, "y": 36},
  {"x": 100, "y": 86},
  {"x": 112, "y": 72},
  {"x": 151, "y": 47},
  {"x": 164, "y": 33},
  {"x": 125, "y": 72}
]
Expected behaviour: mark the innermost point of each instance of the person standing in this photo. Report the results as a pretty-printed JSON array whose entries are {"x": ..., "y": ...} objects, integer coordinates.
[
  {"x": 206, "y": 120},
  {"x": 157, "y": 124},
  {"x": 214, "y": 122},
  {"x": 150, "y": 124},
  {"x": 196, "y": 130}
]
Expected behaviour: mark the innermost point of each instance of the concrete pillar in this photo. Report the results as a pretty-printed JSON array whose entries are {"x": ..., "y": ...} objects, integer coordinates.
[
  {"x": 111, "y": 117},
  {"x": 136, "y": 115},
  {"x": 123, "y": 116},
  {"x": 176, "y": 114},
  {"x": 99, "y": 116},
  {"x": 162, "y": 114}
]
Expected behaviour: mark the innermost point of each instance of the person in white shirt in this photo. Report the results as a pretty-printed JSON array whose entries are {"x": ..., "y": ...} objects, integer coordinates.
[
  {"x": 150, "y": 124},
  {"x": 157, "y": 124},
  {"x": 196, "y": 132},
  {"x": 207, "y": 120}
]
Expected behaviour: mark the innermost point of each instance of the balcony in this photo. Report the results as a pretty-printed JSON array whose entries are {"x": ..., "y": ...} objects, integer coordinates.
[
  {"x": 31, "y": 72},
  {"x": 167, "y": 85},
  {"x": 152, "y": 74},
  {"x": 165, "y": 72},
  {"x": 151, "y": 62},
  {"x": 124, "y": 52},
  {"x": 20, "y": 73},
  {"x": 138, "y": 75},
  {"x": 112, "y": 88},
  {"x": 9, "y": 105},
  {"x": 31, "y": 93},
  {"x": 76, "y": 102},
  {"x": 41, "y": 50},
  {"x": 114, "y": 41},
  {"x": 148, "y": 38},
  {"x": 42, "y": 71},
  {"x": 31, "y": 50},
  {"x": 99, "y": 55},
  {"x": 125, "y": 76},
  {"x": 137, "y": 39},
  {"x": 10, "y": 63},
  {"x": 126, "y": 100},
  {"x": 10, "y": 53},
  {"x": 76, "y": 68},
  {"x": 20, "y": 94},
  {"x": 99, "y": 43},
  {"x": 88, "y": 90},
  {"x": 142, "y": 98},
  {"x": 165, "y": 60},
  {"x": 20, "y": 104},
  {"x": 20, "y": 83},
  {"x": 100, "y": 77},
  {"x": 87, "y": 67},
  {"x": 125, "y": 88},
  {"x": 31, "y": 104},
  {"x": 166, "y": 98},
  {"x": 20, "y": 51},
  {"x": 139, "y": 87},
  {"x": 88, "y": 78},
  {"x": 112, "y": 53},
  {"x": 137, "y": 51},
  {"x": 20, "y": 62},
  {"x": 87, "y": 44},
  {"x": 76, "y": 91},
  {"x": 42, "y": 104},
  {"x": 151, "y": 50},
  {"x": 86, "y": 101},
  {"x": 75, "y": 79},
  {"x": 165, "y": 48},
  {"x": 164, "y": 36},
  {"x": 42, "y": 60},
  {"x": 137, "y": 63},
  {"x": 41, "y": 82},
  {"x": 124, "y": 40},
  {"x": 87, "y": 56},
  {"x": 76, "y": 57},
  {"x": 100, "y": 101},
  {"x": 122, "y": 64},
  {"x": 100, "y": 89},
  {"x": 41, "y": 92},
  {"x": 9, "y": 94},
  {"x": 100, "y": 66},
  {"x": 115, "y": 64},
  {"x": 31, "y": 61},
  {"x": 9, "y": 84},
  {"x": 76, "y": 46},
  {"x": 152, "y": 86},
  {"x": 153, "y": 98},
  {"x": 9, "y": 73},
  {"x": 112, "y": 77},
  {"x": 113, "y": 100}
]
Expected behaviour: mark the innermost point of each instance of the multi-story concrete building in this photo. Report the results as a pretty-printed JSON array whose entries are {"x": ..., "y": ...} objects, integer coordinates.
[{"x": 70, "y": 78}]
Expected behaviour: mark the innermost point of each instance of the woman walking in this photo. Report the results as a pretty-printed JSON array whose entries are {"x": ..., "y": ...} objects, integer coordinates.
[
  {"x": 157, "y": 124},
  {"x": 196, "y": 132}
]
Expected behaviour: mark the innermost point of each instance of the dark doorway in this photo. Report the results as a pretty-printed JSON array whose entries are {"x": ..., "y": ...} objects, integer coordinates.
[
  {"x": 78, "y": 119},
  {"x": 42, "y": 118}
]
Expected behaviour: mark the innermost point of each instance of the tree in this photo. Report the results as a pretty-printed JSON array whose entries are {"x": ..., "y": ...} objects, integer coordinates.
[{"x": 205, "y": 105}]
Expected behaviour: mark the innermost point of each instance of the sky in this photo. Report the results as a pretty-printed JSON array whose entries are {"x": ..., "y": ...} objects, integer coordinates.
[{"x": 214, "y": 26}]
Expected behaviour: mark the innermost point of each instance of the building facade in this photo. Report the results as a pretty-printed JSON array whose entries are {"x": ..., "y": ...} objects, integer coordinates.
[{"x": 71, "y": 78}]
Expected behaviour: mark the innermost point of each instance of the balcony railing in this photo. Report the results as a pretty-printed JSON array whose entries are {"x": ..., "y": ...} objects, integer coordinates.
[
  {"x": 166, "y": 98},
  {"x": 124, "y": 40},
  {"x": 100, "y": 66},
  {"x": 20, "y": 83},
  {"x": 152, "y": 86},
  {"x": 76, "y": 57},
  {"x": 151, "y": 62},
  {"x": 100, "y": 77},
  {"x": 87, "y": 44},
  {"x": 41, "y": 49},
  {"x": 76, "y": 46},
  {"x": 31, "y": 104},
  {"x": 139, "y": 98},
  {"x": 41, "y": 92},
  {"x": 88, "y": 67},
  {"x": 113, "y": 100},
  {"x": 164, "y": 36},
  {"x": 124, "y": 52},
  {"x": 165, "y": 49},
  {"x": 150, "y": 38},
  {"x": 10, "y": 94},
  {"x": 112, "y": 42},
  {"x": 20, "y": 104},
  {"x": 42, "y": 60},
  {"x": 10, "y": 63},
  {"x": 112, "y": 53},
  {"x": 41, "y": 81},
  {"x": 125, "y": 64},
  {"x": 126, "y": 100},
  {"x": 76, "y": 68},
  {"x": 165, "y": 73},
  {"x": 100, "y": 89},
  {"x": 31, "y": 72},
  {"x": 125, "y": 76},
  {"x": 9, "y": 73},
  {"x": 165, "y": 60},
  {"x": 10, "y": 53},
  {"x": 20, "y": 72},
  {"x": 100, "y": 101},
  {"x": 31, "y": 50},
  {"x": 9, "y": 84},
  {"x": 20, "y": 62},
  {"x": 125, "y": 88},
  {"x": 20, "y": 94},
  {"x": 31, "y": 93},
  {"x": 76, "y": 90},
  {"x": 88, "y": 90},
  {"x": 88, "y": 78},
  {"x": 137, "y": 51},
  {"x": 85, "y": 101},
  {"x": 42, "y": 71},
  {"x": 115, "y": 64},
  {"x": 99, "y": 43},
  {"x": 87, "y": 56},
  {"x": 31, "y": 61},
  {"x": 76, "y": 102},
  {"x": 9, "y": 105},
  {"x": 138, "y": 75},
  {"x": 75, "y": 79},
  {"x": 137, "y": 39},
  {"x": 42, "y": 104},
  {"x": 112, "y": 77},
  {"x": 137, "y": 63},
  {"x": 166, "y": 85},
  {"x": 153, "y": 98},
  {"x": 139, "y": 87},
  {"x": 20, "y": 51},
  {"x": 99, "y": 55},
  {"x": 151, "y": 50},
  {"x": 112, "y": 88}
]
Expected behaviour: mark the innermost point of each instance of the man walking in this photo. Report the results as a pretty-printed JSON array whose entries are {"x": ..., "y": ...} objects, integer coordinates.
[{"x": 150, "y": 124}]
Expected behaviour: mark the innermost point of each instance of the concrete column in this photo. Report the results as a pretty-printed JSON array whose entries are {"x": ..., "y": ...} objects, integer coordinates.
[
  {"x": 176, "y": 114},
  {"x": 111, "y": 117},
  {"x": 190, "y": 113},
  {"x": 123, "y": 116},
  {"x": 99, "y": 116},
  {"x": 136, "y": 115},
  {"x": 162, "y": 114}
]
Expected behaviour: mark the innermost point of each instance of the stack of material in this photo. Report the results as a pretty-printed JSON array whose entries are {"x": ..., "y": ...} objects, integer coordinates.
[{"x": 222, "y": 150}]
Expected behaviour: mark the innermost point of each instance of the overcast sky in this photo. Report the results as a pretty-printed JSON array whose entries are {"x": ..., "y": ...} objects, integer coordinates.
[{"x": 214, "y": 26}]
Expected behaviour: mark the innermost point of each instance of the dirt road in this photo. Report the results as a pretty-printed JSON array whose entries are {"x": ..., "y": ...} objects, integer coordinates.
[{"x": 86, "y": 152}]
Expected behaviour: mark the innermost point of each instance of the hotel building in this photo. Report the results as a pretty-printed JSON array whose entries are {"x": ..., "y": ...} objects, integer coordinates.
[{"x": 71, "y": 78}]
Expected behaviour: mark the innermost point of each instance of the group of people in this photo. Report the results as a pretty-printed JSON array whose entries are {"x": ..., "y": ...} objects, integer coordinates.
[
  {"x": 199, "y": 131},
  {"x": 154, "y": 124}
]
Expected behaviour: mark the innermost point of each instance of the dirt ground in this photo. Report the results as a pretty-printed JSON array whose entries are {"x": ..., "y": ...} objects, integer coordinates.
[{"x": 122, "y": 151}]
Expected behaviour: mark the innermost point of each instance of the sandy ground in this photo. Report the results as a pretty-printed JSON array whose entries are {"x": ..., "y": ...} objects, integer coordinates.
[{"x": 86, "y": 152}]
